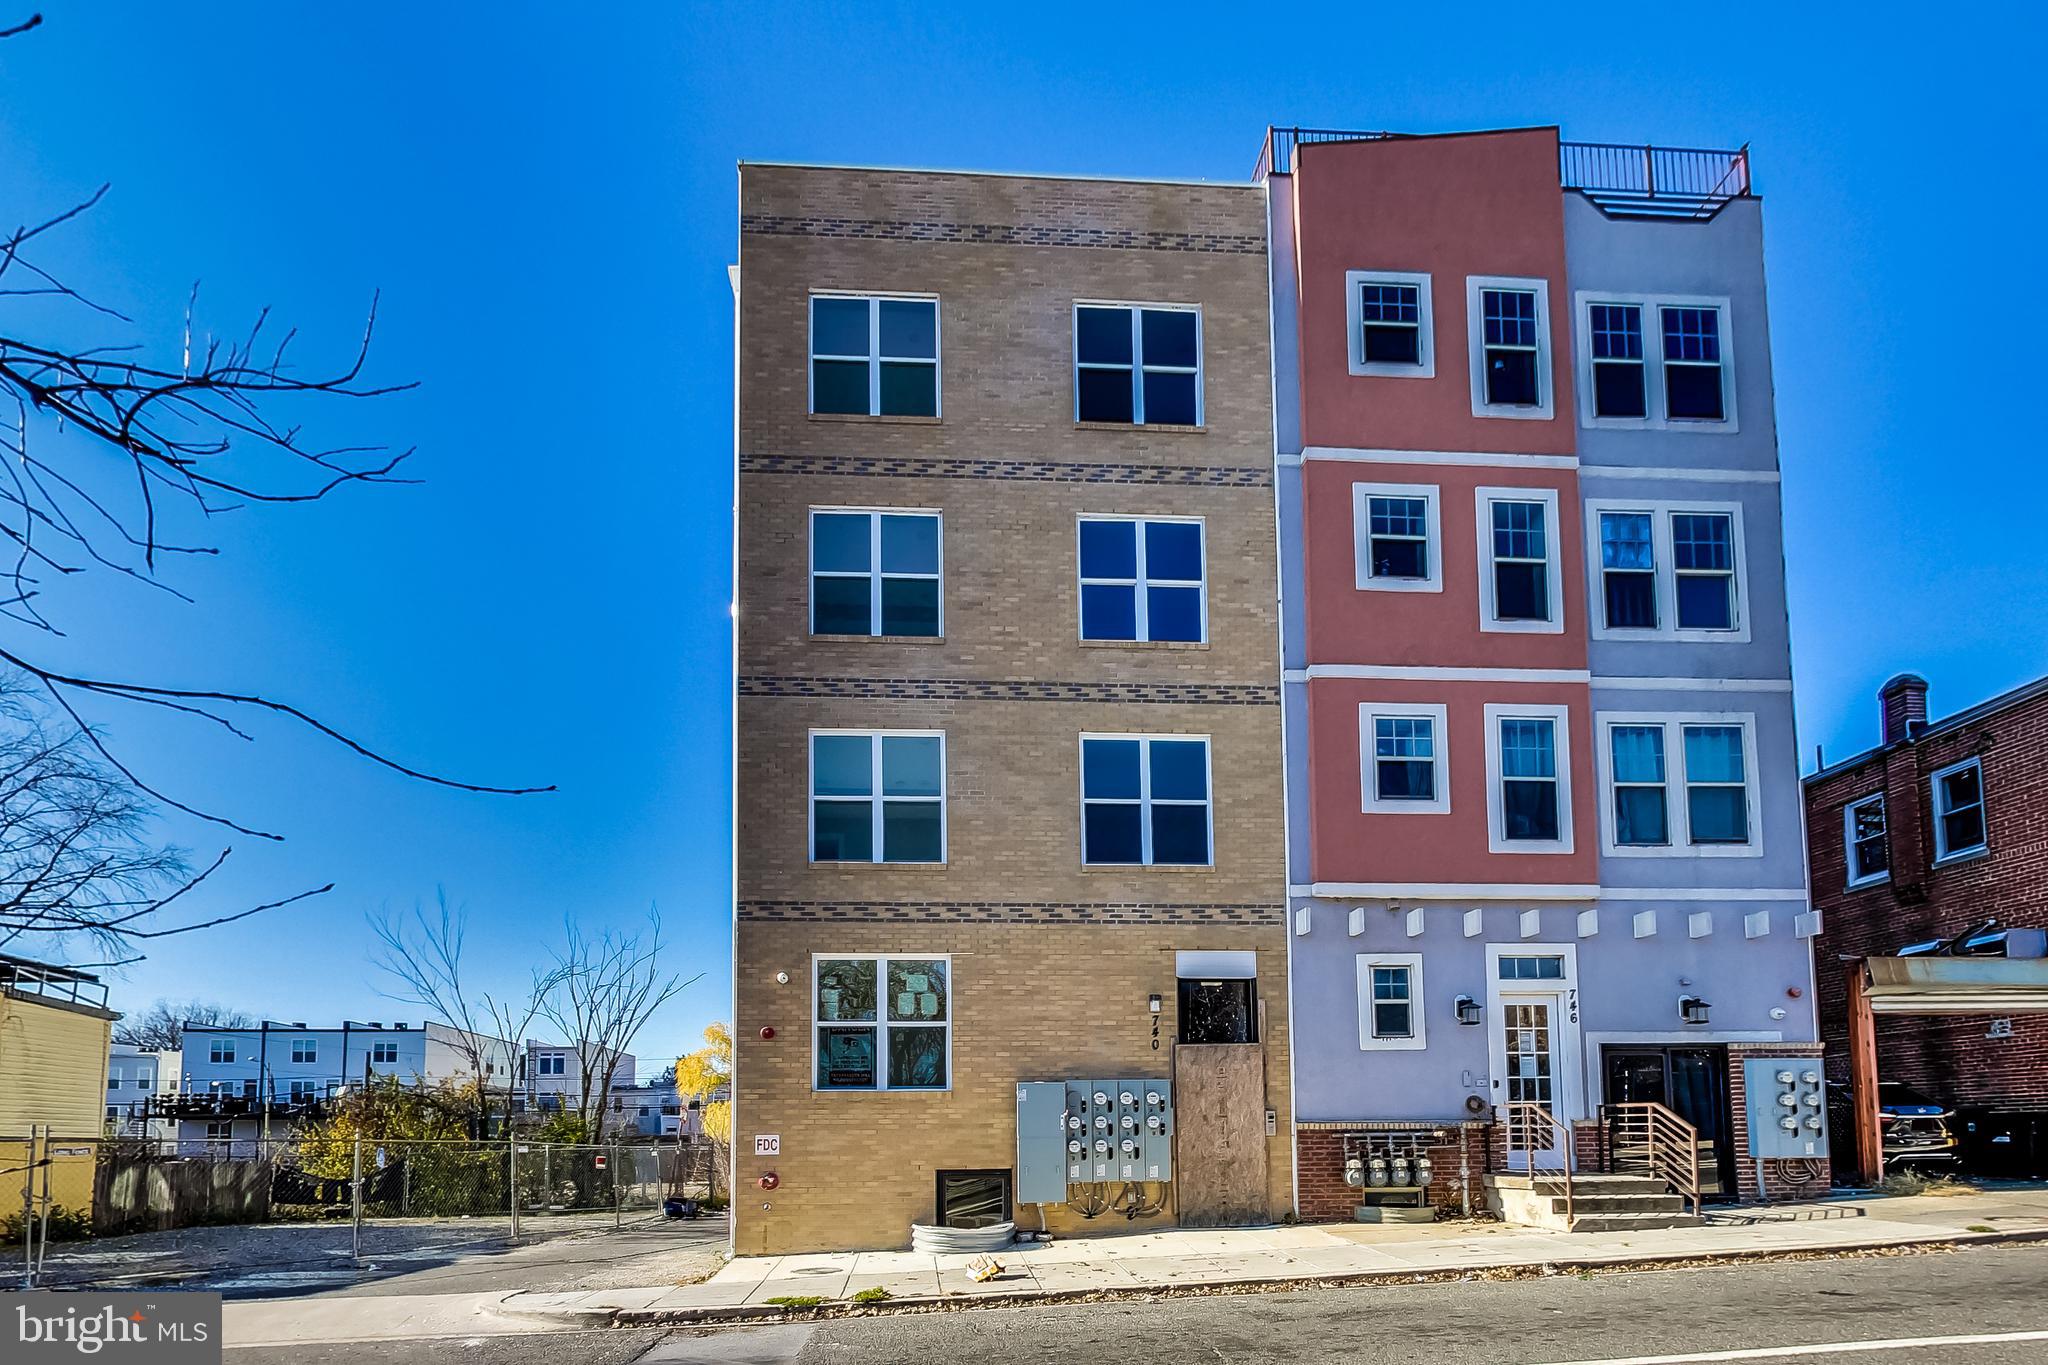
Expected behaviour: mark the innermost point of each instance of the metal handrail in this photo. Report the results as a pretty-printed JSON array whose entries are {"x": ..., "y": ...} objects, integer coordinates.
[
  {"x": 1645, "y": 1134},
  {"x": 1521, "y": 1120}
]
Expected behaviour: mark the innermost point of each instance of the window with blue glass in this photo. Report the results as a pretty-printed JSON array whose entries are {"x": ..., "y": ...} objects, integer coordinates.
[
  {"x": 1397, "y": 537},
  {"x": 878, "y": 796},
  {"x": 1390, "y": 316},
  {"x": 1692, "y": 364},
  {"x": 1716, "y": 785},
  {"x": 1703, "y": 562},
  {"x": 1628, "y": 571},
  {"x": 1619, "y": 380},
  {"x": 882, "y": 1023},
  {"x": 874, "y": 573},
  {"x": 1510, "y": 354},
  {"x": 1641, "y": 790},
  {"x": 1404, "y": 758},
  {"x": 1142, "y": 579},
  {"x": 1521, "y": 562},
  {"x": 875, "y": 357},
  {"x": 1145, "y": 800},
  {"x": 1529, "y": 792},
  {"x": 1137, "y": 365}
]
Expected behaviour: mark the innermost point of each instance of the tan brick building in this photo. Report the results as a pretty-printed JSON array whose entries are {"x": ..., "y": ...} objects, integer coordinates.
[{"x": 1009, "y": 766}]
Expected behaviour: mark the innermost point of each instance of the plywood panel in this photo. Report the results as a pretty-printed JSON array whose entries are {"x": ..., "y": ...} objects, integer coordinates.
[{"x": 1219, "y": 1101}]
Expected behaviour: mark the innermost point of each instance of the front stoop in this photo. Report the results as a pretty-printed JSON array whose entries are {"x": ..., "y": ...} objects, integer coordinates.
[{"x": 1600, "y": 1203}]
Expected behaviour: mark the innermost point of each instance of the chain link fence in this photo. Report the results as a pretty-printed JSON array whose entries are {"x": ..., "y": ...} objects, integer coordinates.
[{"x": 84, "y": 1203}]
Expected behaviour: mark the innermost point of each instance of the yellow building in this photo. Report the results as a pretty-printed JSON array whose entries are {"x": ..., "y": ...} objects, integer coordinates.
[{"x": 54, "y": 1032}]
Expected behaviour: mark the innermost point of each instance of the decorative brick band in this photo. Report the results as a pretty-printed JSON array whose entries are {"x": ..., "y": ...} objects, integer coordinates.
[
  {"x": 1028, "y": 471},
  {"x": 991, "y": 689},
  {"x": 1005, "y": 234},
  {"x": 1014, "y": 912}
]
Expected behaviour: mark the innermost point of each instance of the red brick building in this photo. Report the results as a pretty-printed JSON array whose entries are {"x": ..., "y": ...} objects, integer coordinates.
[{"x": 1939, "y": 829}]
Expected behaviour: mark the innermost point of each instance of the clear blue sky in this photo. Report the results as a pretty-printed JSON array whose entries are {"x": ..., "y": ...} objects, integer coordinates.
[{"x": 546, "y": 197}]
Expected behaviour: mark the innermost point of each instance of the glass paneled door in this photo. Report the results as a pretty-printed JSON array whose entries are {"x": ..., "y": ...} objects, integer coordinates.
[{"x": 1529, "y": 1049}]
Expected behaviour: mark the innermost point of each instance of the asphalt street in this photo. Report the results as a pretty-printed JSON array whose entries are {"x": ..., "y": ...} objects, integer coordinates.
[{"x": 1987, "y": 1307}]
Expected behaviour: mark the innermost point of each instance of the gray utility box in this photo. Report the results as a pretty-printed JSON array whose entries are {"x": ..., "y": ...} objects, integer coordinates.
[
  {"x": 1091, "y": 1132},
  {"x": 1787, "y": 1107}
]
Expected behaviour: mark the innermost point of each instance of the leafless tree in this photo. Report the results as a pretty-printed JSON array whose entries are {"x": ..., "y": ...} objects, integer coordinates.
[
  {"x": 605, "y": 987},
  {"x": 161, "y": 1027},
  {"x": 423, "y": 953},
  {"x": 115, "y": 460}
]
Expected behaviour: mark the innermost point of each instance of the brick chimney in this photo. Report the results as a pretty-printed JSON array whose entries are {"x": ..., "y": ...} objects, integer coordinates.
[{"x": 1904, "y": 702}]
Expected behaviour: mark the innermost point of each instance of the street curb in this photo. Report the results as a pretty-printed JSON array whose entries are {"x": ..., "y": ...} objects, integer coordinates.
[{"x": 731, "y": 1314}]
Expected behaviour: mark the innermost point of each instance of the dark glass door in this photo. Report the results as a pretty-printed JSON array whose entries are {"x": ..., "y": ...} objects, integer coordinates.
[{"x": 1692, "y": 1082}]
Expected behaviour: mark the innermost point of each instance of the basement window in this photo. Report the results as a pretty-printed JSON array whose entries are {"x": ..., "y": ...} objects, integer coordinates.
[{"x": 973, "y": 1199}]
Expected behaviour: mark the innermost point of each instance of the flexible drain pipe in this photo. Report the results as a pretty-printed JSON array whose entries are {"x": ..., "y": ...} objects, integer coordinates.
[{"x": 958, "y": 1241}]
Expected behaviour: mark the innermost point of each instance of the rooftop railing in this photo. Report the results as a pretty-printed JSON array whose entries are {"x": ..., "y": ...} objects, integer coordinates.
[{"x": 1627, "y": 178}]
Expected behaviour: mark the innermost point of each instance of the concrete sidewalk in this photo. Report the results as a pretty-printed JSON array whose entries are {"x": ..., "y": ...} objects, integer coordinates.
[{"x": 1182, "y": 1260}]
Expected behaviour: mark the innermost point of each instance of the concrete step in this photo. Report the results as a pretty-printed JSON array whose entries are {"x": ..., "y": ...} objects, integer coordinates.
[
  {"x": 1619, "y": 1203},
  {"x": 1631, "y": 1222},
  {"x": 1591, "y": 1183}
]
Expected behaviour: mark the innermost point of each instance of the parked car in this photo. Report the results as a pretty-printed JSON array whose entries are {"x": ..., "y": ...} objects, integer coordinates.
[{"x": 1918, "y": 1134}]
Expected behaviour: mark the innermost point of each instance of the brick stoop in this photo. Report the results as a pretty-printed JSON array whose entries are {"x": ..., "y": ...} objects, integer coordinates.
[{"x": 1600, "y": 1203}]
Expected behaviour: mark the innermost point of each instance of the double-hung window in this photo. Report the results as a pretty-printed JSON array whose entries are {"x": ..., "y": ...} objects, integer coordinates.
[
  {"x": 1142, "y": 579},
  {"x": 1619, "y": 381},
  {"x": 875, "y": 572},
  {"x": 1390, "y": 1015},
  {"x": 1509, "y": 325},
  {"x": 1406, "y": 767},
  {"x": 305, "y": 1050},
  {"x": 878, "y": 796},
  {"x": 882, "y": 1023},
  {"x": 1864, "y": 847},
  {"x": 1145, "y": 800},
  {"x": 1398, "y": 533},
  {"x": 874, "y": 357},
  {"x": 1959, "y": 810},
  {"x": 1670, "y": 570},
  {"x": 1628, "y": 571},
  {"x": 1390, "y": 324},
  {"x": 1138, "y": 364},
  {"x": 1679, "y": 784},
  {"x": 1519, "y": 586},
  {"x": 1528, "y": 774},
  {"x": 1692, "y": 364}
]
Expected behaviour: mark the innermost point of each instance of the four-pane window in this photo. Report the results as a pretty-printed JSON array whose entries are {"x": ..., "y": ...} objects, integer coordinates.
[
  {"x": 1863, "y": 839},
  {"x": 305, "y": 1050},
  {"x": 1959, "y": 809},
  {"x": 875, "y": 573},
  {"x": 882, "y": 1023},
  {"x": 221, "y": 1050},
  {"x": 384, "y": 1054},
  {"x": 1137, "y": 365},
  {"x": 1142, "y": 579},
  {"x": 875, "y": 357},
  {"x": 1145, "y": 800},
  {"x": 878, "y": 796}
]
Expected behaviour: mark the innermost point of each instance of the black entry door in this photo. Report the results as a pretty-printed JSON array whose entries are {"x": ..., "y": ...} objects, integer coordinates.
[{"x": 1692, "y": 1082}]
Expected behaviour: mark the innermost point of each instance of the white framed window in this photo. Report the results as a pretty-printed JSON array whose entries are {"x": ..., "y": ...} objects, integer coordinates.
[
  {"x": 1143, "y": 578},
  {"x": 305, "y": 1050},
  {"x": 303, "y": 1092},
  {"x": 1520, "y": 580},
  {"x": 1678, "y": 785},
  {"x": 1398, "y": 530},
  {"x": 876, "y": 571},
  {"x": 114, "y": 1078},
  {"x": 875, "y": 355},
  {"x": 1390, "y": 1014},
  {"x": 1406, "y": 758},
  {"x": 1145, "y": 801},
  {"x": 1667, "y": 571},
  {"x": 1655, "y": 361},
  {"x": 1508, "y": 327},
  {"x": 1865, "y": 850},
  {"x": 1138, "y": 364},
  {"x": 220, "y": 1050},
  {"x": 1528, "y": 778},
  {"x": 878, "y": 796},
  {"x": 220, "y": 1131},
  {"x": 384, "y": 1054},
  {"x": 1391, "y": 323},
  {"x": 551, "y": 1064},
  {"x": 1959, "y": 828},
  {"x": 881, "y": 1022}
]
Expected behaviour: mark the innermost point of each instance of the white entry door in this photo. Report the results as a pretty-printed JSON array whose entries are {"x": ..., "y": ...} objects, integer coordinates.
[
  {"x": 1533, "y": 1043},
  {"x": 1531, "y": 1069}
]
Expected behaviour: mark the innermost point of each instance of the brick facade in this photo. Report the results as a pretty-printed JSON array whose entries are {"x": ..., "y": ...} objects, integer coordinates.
[
  {"x": 1949, "y": 1058},
  {"x": 1052, "y": 962}
]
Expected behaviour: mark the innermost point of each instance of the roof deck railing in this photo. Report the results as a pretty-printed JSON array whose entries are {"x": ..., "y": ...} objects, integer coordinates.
[{"x": 1627, "y": 178}]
